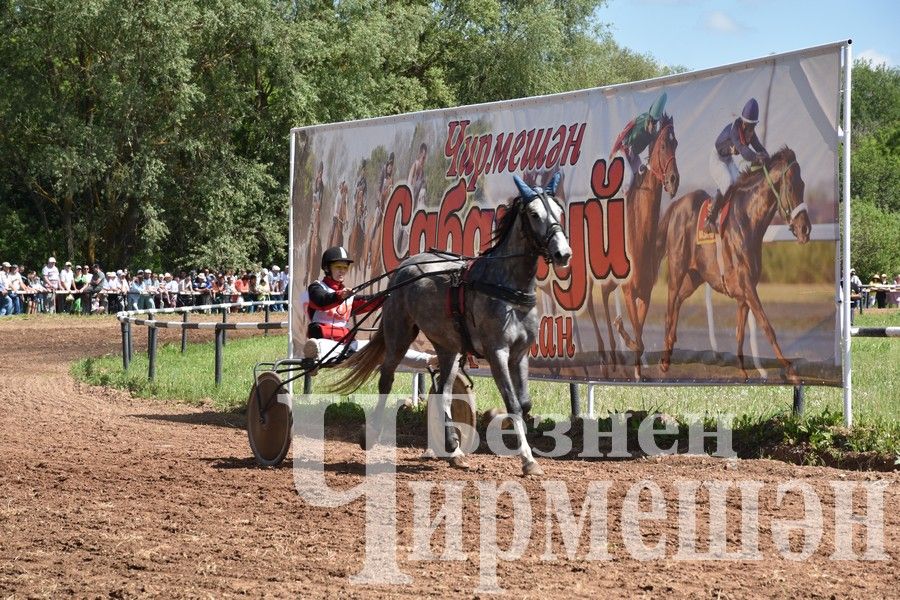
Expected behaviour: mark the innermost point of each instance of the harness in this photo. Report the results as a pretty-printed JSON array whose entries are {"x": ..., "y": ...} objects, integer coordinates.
[
  {"x": 460, "y": 280},
  {"x": 661, "y": 172},
  {"x": 788, "y": 215}
]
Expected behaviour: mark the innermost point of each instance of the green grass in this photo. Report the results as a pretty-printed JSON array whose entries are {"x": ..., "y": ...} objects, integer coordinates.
[{"x": 876, "y": 368}]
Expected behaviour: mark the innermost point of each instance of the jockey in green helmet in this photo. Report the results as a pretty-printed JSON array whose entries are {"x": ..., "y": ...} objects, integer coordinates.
[{"x": 638, "y": 133}]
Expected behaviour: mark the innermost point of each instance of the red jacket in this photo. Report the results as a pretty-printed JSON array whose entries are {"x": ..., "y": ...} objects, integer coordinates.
[{"x": 329, "y": 315}]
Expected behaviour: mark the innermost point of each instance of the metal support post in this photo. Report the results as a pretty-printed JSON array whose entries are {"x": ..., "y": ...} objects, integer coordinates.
[
  {"x": 224, "y": 320},
  {"x": 184, "y": 319},
  {"x": 266, "y": 318},
  {"x": 220, "y": 341},
  {"x": 126, "y": 360},
  {"x": 151, "y": 353},
  {"x": 575, "y": 400},
  {"x": 798, "y": 399}
]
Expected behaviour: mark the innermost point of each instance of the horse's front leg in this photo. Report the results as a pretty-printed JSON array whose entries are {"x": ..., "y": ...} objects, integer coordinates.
[
  {"x": 499, "y": 361},
  {"x": 742, "y": 311},
  {"x": 756, "y": 306}
]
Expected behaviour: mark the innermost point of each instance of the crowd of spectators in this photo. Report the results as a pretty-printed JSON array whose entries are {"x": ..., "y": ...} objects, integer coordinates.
[{"x": 89, "y": 290}]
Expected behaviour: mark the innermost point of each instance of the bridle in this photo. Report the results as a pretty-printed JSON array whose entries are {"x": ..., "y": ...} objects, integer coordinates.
[
  {"x": 780, "y": 201},
  {"x": 660, "y": 174},
  {"x": 539, "y": 243}
]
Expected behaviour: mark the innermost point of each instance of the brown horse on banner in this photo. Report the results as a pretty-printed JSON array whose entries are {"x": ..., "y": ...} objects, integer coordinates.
[
  {"x": 756, "y": 196},
  {"x": 643, "y": 203}
]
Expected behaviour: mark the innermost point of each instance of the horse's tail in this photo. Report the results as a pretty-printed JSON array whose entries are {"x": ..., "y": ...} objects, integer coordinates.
[{"x": 362, "y": 364}]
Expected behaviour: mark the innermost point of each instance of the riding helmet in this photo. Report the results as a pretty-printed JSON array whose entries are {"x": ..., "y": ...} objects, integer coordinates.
[
  {"x": 334, "y": 254},
  {"x": 750, "y": 114},
  {"x": 656, "y": 111}
]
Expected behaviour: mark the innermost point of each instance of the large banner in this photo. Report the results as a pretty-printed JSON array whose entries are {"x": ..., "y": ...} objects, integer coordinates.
[{"x": 652, "y": 293}]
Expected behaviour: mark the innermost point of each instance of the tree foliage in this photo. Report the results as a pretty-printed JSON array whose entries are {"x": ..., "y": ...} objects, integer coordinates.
[
  {"x": 875, "y": 165},
  {"x": 155, "y": 133}
]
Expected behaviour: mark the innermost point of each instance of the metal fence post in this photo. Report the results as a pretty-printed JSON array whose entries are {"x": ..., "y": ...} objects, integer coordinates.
[
  {"x": 151, "y": 352},
  {"x": 798, "y": 399},
  {"x": 224, "y": 320},
  {"x": 307, "y": 383},
  {"x": 266, "y": 331},
  {"x": 130, "y": 344},
  {"x": 126, "y": 360},
  {"x": 184, "y": 319},
  {"x": 220, "y": 341},
  {"x": 574, "y": 399}
]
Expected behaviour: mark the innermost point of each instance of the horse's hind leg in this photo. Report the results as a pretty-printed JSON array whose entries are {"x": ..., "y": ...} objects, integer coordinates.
[
  {"x": 449, "y": 367},
  {"x": 397, "y": 340},
  {"x": 601, "y": 349},
  {"x": 606, "y": 289}
]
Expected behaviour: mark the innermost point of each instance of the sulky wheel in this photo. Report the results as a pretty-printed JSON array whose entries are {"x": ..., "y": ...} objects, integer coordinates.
[
  {"x": 462, "y": 409},
  {"x": 268, "y": 421}
]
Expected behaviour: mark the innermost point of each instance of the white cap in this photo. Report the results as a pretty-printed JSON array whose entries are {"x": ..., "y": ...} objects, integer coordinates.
[
  {"x": 110, "y": 274},
  {"x": 265, "y": 271},
  {"x": 276, "y": 268},
  {"x": 68, "y": 263},
  {"x": 6, "y": 264},
  {"x": 51, "y": 260},
  {"x": 119, "y": 272},
  {"x": 167, "y": 276}
]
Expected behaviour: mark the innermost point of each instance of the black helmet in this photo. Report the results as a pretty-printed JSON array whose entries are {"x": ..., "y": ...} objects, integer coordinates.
[{"x": 334, "y": 254}]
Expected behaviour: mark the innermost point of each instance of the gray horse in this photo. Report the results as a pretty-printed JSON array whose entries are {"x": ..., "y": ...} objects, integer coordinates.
[{"x": 494, "y": 300}]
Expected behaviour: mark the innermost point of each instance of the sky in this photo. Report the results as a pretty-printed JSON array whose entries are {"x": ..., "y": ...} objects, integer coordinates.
[{"x": 698, "y": 34}]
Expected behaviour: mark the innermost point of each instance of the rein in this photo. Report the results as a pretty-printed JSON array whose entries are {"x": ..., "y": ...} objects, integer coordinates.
[
  {"x": 661, "y": 173},
  {"x": 788, "y": 215},
  {"x": 541, "y": 244}
]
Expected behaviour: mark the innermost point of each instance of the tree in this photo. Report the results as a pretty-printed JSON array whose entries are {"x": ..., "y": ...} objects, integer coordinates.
[
  {"x": 875, "y": 238},
  {"x": 156, "y": 132}
]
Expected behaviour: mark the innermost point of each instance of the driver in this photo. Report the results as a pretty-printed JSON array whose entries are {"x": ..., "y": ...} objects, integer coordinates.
[
  {"x": 738, "y": 138},
  {"x": 331, "y": 305}
]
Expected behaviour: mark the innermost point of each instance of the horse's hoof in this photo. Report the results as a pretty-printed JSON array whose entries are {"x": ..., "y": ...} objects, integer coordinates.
[
  {"x": 664, "y": 365},
  {"x": 532, "y": 469},
  {"x": 459, "y": 462},
  {"x": 367, "y": 438}
]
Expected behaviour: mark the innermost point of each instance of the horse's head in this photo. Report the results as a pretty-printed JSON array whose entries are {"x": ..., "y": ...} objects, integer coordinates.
[
  {"x": 662, "y": 155},
  {"x": 542, "y": 221},
  {"x": 788, "y": 187}
]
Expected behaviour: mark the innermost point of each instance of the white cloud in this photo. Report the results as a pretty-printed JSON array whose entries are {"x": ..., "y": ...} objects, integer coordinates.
[
  {"x": 875, "y": 57},
  {"x": 721, "y": 23}
]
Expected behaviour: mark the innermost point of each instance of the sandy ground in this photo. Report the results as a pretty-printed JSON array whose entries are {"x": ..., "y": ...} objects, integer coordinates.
[{"x": 105, "y": 495}]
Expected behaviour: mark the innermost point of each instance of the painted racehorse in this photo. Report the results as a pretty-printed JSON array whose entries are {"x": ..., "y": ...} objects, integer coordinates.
[
  {"x": 643, "y": 204},
  {"x": 757, "y": 195},
  {"x": 496, "y": 302}
]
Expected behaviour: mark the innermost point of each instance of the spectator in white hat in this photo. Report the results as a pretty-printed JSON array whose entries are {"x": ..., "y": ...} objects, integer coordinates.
[{"x": 50, "y": 275}]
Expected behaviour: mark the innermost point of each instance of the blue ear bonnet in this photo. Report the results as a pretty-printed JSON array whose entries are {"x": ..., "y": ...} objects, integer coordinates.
[{"x": 527, "y": 192}]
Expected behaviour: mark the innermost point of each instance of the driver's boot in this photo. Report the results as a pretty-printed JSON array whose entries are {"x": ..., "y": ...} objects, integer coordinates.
[{"x": 711, "y": 219}]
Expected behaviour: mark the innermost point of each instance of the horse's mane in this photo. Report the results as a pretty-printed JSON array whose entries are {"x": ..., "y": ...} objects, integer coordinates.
[
  {"x": 665, "y": 120},
  {"x": 504, "y": 224},
  {"x": 748, "y": 178}
]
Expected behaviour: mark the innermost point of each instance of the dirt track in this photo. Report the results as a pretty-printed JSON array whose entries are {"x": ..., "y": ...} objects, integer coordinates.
[{"x": 105, "y": 495}]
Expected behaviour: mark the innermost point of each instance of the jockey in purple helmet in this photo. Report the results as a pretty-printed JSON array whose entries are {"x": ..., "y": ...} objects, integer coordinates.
[{"x": 738, "y": 138}]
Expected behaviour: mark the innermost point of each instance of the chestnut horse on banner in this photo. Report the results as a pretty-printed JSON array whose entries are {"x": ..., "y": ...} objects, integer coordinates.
[
  {"x": 759, "y": 193},
  {"x": 643, "y": 202}
]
